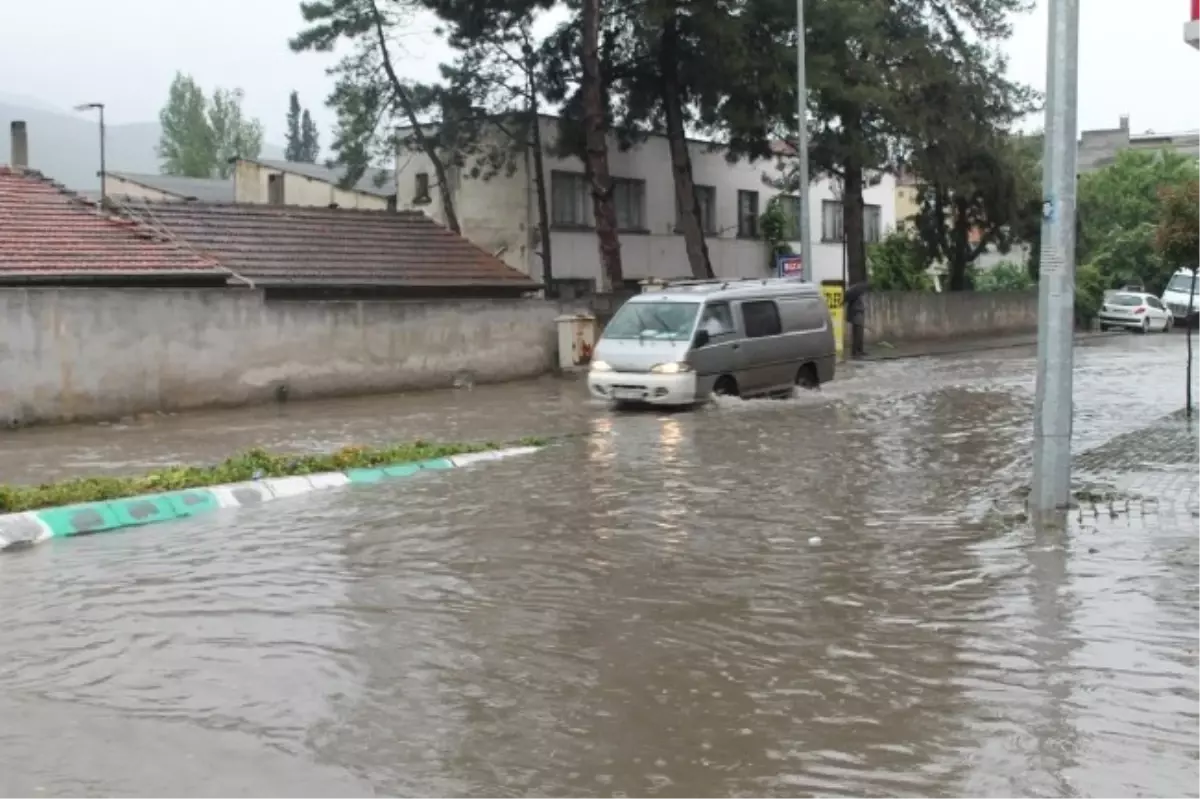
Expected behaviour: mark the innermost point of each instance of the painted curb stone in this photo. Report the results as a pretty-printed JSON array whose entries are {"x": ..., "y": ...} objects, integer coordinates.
[{"x": 32, "y": 527}]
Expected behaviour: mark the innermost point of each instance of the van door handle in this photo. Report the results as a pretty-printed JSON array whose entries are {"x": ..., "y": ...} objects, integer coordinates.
[{"x": 735, "y": 346}]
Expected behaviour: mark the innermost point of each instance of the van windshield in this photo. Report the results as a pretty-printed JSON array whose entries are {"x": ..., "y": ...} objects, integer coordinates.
[
  {"x": 660, "y": 321},
  {"x": 1181, "y": 284}
]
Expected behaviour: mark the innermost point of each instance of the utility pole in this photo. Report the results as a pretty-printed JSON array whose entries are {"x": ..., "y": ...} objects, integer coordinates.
[
  {"x": 1051, "y": 487},
  {"x": 103, "y": 170},
  {"x": 802, "y": 145}
]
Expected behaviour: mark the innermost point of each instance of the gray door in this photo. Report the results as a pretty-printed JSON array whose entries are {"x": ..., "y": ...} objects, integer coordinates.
[
  {"x": 720, "y": 355},
  {"x": 763, "y": 362}
]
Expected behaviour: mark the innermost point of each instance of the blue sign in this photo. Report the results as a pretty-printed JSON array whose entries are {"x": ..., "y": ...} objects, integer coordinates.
[
  {"x": 789, "y": 265},
  {"x": 1049, "y": 209}
]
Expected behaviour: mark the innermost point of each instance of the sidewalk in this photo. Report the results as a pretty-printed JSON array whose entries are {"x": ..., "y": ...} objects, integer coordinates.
[{"x": 884, "y": 351}]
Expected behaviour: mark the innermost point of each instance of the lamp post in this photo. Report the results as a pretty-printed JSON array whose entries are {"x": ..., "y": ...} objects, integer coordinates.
[
  {"x": 103, "y": 174},
  {"x": 802, "y": 145}
]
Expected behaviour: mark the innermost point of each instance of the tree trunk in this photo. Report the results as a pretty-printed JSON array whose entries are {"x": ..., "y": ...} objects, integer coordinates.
[
  {"x": 960, "y": 252},
  {"x": 852, "y": 221},
  {"x": 595, "y": 125},
  {"x": 428, "y": 147},
  {"x": 681, "y": 160},
  {"x": 539, "y": 182}
]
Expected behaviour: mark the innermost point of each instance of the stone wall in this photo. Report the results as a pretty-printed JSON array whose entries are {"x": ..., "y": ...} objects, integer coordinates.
[
  {"x": 925, "y": 316},
  {"x": 68, "y": 354}
]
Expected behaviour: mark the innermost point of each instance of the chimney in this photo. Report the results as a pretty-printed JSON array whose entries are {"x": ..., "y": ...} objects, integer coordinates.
[
  {"x": 20, "y": 145},
  {"x": 1124, "y": 121}
]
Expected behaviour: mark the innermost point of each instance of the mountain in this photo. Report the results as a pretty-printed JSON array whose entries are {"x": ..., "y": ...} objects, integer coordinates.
[{"x": 66, "y": 146}]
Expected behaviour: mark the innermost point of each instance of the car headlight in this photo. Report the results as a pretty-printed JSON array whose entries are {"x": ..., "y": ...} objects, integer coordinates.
[
  {"x": 671, "y": 368},
  {"x": 600, "y": 366}
]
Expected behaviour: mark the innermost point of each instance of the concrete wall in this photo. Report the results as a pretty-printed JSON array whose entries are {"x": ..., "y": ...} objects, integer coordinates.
[
  {"x": 250, "y": 181},
  {"x": 500, "y": 214},
  {"x": 926, "y": 316},
  {"x": 102, "y": 353}
]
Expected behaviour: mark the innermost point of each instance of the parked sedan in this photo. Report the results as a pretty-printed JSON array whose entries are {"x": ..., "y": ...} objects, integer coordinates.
[{"x": 1134, "y": 311}]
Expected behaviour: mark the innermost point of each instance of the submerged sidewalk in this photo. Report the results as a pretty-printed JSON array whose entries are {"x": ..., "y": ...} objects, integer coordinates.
[{"x": 885, "y": 351}]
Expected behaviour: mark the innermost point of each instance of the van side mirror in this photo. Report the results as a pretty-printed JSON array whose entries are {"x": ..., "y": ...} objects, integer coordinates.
[{"x": 702, "y": 339}]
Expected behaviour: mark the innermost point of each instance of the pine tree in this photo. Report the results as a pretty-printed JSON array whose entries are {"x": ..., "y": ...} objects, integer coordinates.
[
  {"x": 294, "y": 150},
  {"x": 310, "y": 146}
]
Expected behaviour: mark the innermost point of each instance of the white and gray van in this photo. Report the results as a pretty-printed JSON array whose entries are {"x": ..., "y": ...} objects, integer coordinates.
[
  {"x": 1181, "y": 297},
  {"x": 682, "y": 342}
]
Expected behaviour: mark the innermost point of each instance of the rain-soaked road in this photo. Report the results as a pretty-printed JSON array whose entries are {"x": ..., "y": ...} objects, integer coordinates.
[{"x": 635, "y": 611}]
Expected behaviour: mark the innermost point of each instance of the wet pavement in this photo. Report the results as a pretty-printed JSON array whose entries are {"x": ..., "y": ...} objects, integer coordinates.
[{"x": 824, "y": 596}]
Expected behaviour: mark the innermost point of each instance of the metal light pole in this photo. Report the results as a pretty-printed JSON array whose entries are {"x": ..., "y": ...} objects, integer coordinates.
[
  {"x": 802, "y": 145},
  {"x": 103, "y": 172},
  {"x": 1051, "y": 488}
]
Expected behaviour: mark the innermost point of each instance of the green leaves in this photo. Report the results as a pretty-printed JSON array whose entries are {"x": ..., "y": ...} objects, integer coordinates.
[
  {"x": 1120, "y": 209},
  {"x": 199, "y": 136},
  {"x": 302, "y": 138}
]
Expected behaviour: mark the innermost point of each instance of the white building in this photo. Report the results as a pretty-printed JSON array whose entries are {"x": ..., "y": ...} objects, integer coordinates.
[{"x": 500, "y": 214}]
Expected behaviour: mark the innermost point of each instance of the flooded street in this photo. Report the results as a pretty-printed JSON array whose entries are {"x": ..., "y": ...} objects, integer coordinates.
[{"x": 821, "y": 596}]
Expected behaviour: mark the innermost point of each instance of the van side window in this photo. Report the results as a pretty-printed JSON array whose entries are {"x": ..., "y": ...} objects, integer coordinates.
[
  {"x": 717, "y": 319},
  {"x": 761, "y": 318}
]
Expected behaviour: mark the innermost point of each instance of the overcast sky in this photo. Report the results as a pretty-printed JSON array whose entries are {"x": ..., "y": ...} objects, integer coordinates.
[{"x": 1133, "y": 59}]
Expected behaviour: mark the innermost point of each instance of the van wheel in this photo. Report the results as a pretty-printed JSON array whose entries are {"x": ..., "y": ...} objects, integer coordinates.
[
  {"x": 807, "y": 377},
  {"x": 726, "y": 386}
]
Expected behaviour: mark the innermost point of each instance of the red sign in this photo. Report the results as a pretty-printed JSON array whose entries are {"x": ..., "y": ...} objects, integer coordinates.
[{"x": 1195, "y": 10}]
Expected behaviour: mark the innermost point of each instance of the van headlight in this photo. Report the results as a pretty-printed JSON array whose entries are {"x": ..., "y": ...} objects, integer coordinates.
[
  {"x": 671, "y": 368},
  {"x": 600, "y": 366}
]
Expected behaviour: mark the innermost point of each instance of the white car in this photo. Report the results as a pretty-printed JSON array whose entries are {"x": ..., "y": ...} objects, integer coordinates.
[{"x": 1138, "y": 311}]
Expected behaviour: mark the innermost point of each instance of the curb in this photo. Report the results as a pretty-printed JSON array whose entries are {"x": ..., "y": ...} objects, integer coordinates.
[
  {"x": 988, "y": 347},
  {"x": 35, "y": 526}
]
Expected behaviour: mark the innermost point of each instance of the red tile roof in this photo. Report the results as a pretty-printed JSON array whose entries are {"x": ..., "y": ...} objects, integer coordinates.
[
  {"x": 47, "y": 233},
  {"x": 295, "y": 247}
]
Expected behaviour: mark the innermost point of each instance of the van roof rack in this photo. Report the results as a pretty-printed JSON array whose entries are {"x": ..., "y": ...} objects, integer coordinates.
[{"x": 653, "y": 284}]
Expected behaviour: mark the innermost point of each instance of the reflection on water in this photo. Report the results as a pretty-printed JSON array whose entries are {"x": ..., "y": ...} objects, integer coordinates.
[{"x": 637, "y": 610}]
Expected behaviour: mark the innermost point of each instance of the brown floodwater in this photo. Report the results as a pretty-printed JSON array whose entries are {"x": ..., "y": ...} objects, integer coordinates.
[{"x": 805, "y": 597}]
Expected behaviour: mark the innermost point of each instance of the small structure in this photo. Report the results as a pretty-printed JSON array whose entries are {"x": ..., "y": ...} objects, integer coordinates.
[
  {"x": 168, "y": 188},
  {"x": 269, "y": 182}
]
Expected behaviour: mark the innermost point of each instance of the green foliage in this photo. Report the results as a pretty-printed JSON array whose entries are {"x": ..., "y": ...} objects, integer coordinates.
[
  {"x": 1177, "y": 234},
  {"x": 1004, "y": 276},
  {"x": 250, "y": 465},
  {"x": 899, "y": 263},
  {"x": 303, "y": 144},
  {"x": 1119, "y": 210},
  {"x": 1090, "y": 285},
  {"x": 775, "y": 225},
  {"x": 200, "y": 136}
]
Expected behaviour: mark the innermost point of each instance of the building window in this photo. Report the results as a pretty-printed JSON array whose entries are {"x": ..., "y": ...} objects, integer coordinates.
[
  {"x": 421, "y": 188},
  {"x": 570, "y": 201},
  {"x": 747, "y": 203},
  {"x": 832, "y": 222},
  {"x": 761, "y": 318},
  {"x": 629, "y": 198},
  {"x": 791, "y": 209},
  {"x": 275, "y": 189},
  {"x": 706, "y": 197}
]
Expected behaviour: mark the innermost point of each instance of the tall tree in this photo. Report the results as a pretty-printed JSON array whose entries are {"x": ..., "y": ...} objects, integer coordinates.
[
  {"x": 370, "y": 98},
  {"x": 186, "y": 145},
  {"x": 1177, "y": 240},
  {"x": 978, "y": 187},
  {"x": 493, "y": 91},
  {"x": 233, "y": 135},
  {"x": 293, "y": 148},
  {"x": 593, "y": 92},
  {"x": 310, "y": 141},
  {"x": 200, "y": 136}
]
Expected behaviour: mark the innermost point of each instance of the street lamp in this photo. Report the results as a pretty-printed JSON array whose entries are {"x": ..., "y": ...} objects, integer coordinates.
[{"x": 103, "y": 174}]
